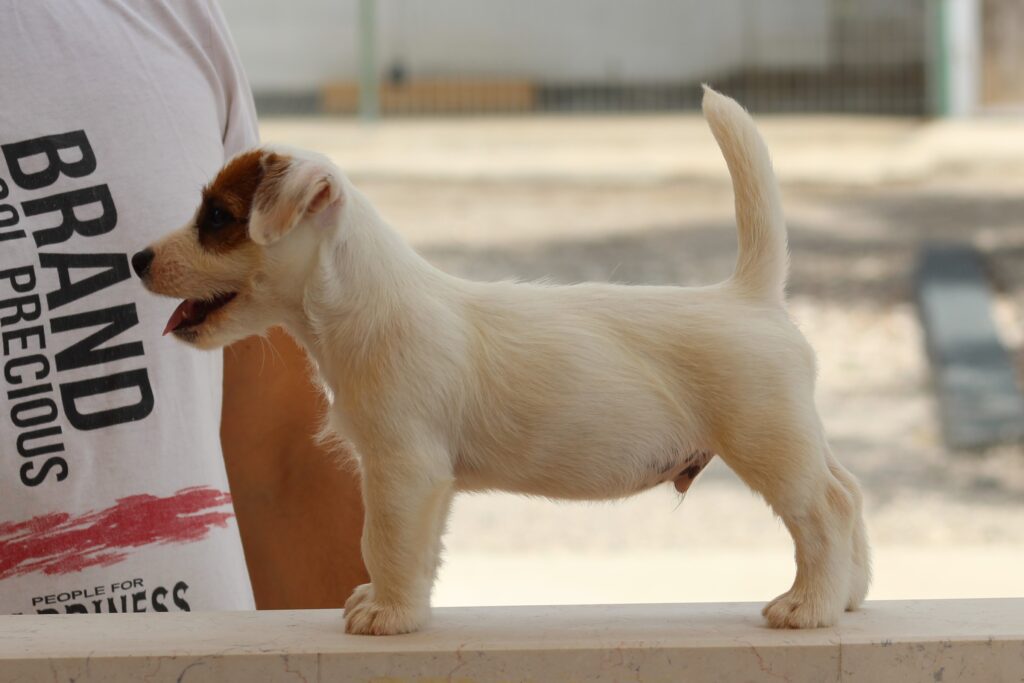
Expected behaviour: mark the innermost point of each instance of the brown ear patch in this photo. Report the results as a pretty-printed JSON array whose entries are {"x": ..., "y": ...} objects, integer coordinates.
[
  {"x": 275, "y": 168},
  {"x": 223, "y": 217}
]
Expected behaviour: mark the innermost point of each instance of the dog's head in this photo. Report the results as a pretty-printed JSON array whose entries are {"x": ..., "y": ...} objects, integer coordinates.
[{"x": 241, "y": 259}]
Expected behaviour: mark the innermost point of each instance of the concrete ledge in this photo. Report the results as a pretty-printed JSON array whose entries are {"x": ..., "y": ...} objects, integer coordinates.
[{"x": 906, "y": 641}]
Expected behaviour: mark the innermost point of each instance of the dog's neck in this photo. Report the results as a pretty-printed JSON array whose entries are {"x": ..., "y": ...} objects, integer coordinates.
[{"x": 365, "y": 291}]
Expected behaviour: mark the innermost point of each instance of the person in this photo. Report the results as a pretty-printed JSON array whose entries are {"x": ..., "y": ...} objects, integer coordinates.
[{"x": 114, "y": 496}]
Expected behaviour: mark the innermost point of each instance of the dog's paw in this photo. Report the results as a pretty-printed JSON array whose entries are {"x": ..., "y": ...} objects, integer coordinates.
[
  {"x": 359, "y": 595},
  {"x": 859, "y": 583},
  {"x": 860, "y": 575},
  {"x": 795, "y": 610},
  {"x": 365, "y": 616}
]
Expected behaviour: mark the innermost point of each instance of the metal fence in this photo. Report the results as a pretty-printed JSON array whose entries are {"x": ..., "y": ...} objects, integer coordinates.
[
  {"x": 412, "y": 57},
  {"x": 1003, "y": 54}
]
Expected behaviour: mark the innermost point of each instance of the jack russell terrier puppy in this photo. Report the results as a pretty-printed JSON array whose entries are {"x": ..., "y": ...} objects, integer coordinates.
[{"x": 584, "y": 392}]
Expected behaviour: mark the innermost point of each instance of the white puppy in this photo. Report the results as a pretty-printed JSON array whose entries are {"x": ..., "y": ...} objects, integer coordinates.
[{"x": 591, "y": 391}]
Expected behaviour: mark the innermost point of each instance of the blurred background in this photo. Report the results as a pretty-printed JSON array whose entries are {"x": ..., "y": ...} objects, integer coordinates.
[{"x": 563, "y": 140}]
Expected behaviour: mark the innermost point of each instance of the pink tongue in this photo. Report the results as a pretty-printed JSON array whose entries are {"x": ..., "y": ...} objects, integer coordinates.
[{"x": 183, "y": 312}]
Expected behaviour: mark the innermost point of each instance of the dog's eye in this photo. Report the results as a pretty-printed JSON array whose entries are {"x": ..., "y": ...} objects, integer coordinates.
[{"x": 218, "y": 217}]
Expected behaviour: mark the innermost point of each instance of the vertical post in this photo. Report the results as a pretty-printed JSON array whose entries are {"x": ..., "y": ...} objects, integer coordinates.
[
  {"x": 369, "y": 105},
  {"x": 965, "y": 49},
  {"x": 956, "y": 57},
  {"x": 937, "y": 71}
]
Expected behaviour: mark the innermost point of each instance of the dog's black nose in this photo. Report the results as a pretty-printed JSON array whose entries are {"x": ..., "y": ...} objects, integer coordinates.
[{"x": 141, "y": 261}]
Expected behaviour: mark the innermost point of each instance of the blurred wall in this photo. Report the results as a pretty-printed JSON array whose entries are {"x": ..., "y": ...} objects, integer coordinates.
[
  {"x": 300, "y": 44},
  {"x": 878, "y": 32}
]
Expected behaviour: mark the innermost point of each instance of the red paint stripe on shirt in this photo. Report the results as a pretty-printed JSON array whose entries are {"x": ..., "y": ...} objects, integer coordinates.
[{"x": 58, "y": 543}]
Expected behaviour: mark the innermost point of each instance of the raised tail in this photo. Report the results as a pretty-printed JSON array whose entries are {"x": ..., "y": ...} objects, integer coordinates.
[{"x": 763, "y": 259}]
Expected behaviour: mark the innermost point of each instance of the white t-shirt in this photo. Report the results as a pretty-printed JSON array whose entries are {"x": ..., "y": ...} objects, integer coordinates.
[{"x": 113, "y": 494}]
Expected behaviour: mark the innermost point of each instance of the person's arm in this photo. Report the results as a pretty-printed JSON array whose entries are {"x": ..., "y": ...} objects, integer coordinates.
[{"x": 299, "y": 511}]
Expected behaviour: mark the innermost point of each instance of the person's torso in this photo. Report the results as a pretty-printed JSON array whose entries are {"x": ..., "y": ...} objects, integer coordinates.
[{"x": 113, "y": 495}]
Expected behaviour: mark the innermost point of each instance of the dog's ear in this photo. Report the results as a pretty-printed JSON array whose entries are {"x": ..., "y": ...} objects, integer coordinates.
[{"x": 291, "y": 189}]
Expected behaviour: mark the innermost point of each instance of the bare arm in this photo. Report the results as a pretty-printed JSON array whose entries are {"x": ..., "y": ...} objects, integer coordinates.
[{"x": 299, "y": 513}]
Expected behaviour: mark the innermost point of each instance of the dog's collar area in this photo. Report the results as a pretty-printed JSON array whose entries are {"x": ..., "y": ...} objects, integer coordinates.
[{"x": 192, "y": 312}]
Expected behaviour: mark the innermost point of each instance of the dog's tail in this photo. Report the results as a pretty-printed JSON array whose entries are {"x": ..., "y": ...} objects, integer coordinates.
[{"x": 763, "y": 259}]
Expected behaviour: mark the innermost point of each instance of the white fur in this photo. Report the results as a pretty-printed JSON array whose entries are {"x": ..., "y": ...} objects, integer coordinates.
[{"x": 579, "y": 392}]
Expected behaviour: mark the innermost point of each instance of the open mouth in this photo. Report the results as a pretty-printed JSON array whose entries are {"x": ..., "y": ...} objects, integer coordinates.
[{"x": 192, "y": 312}]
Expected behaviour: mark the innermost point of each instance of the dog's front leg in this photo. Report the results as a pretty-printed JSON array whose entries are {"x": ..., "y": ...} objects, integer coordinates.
[{"x": 406, "y": 508}]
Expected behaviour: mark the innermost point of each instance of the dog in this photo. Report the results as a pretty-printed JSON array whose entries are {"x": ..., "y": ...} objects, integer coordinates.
[{"x": 588, "y": 391}]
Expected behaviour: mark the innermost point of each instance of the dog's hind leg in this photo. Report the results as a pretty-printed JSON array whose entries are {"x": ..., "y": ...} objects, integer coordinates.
[
  {"x": 790, "y": 467},
  {"x": 860, "y": 579},
  {"x": 406, "y": 508}
]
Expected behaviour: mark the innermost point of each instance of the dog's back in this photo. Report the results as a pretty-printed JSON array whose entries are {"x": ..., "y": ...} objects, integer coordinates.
[{"x": 568, "y": 363}]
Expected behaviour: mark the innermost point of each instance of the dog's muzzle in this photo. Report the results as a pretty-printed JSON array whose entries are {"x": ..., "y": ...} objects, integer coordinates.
[{"x": 141, "y": 261}]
